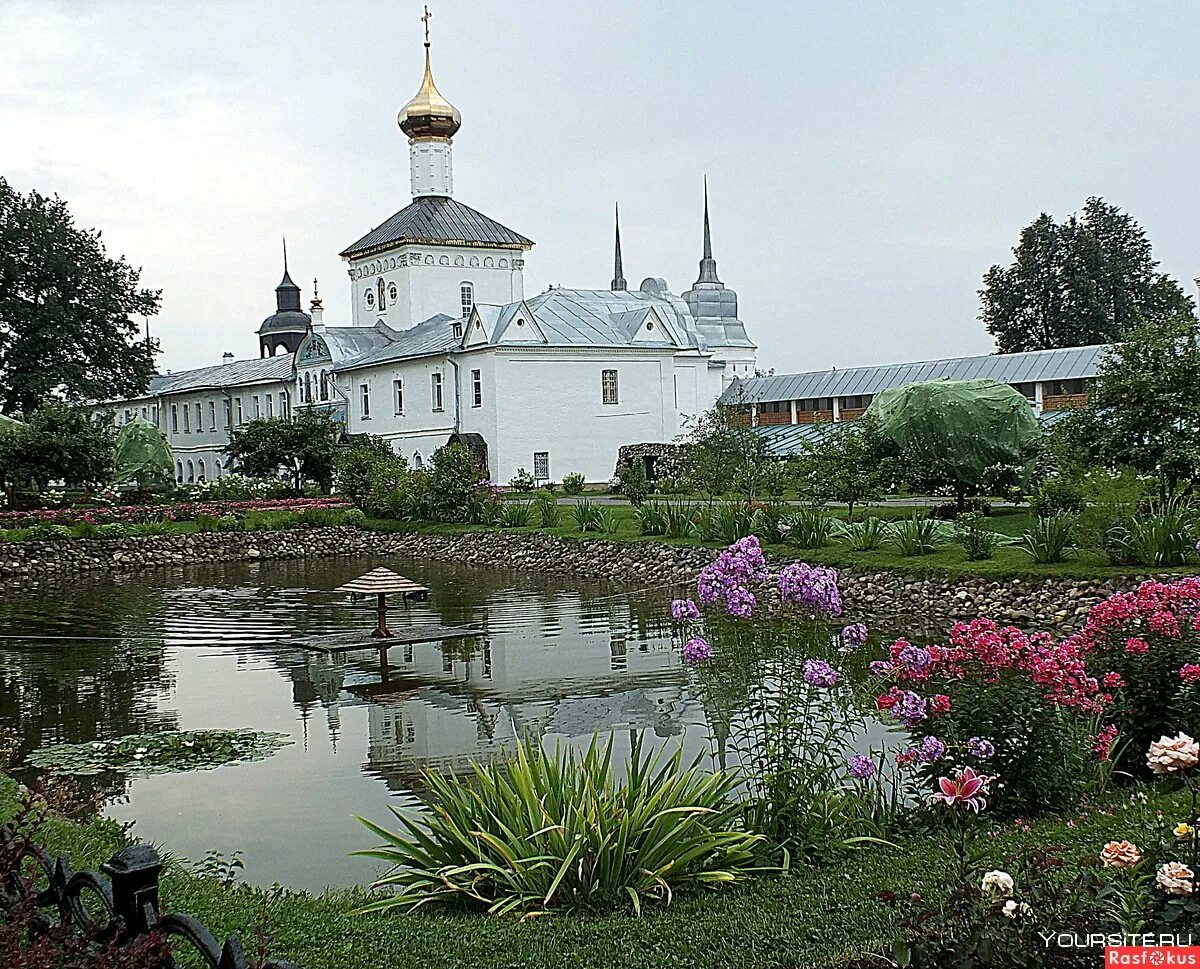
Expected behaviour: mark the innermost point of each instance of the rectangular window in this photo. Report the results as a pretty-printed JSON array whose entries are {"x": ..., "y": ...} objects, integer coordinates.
[
  {"x": 212, "y": 415},
  {"x": 398, "y": 395},
  {"x": 437, "y": 391},
  {"x": 143, "y": 413},
  {"x": 228, "y": 412},
  {"x": 254, "y": 405},
  {"x": 199, "y": 418},
  {"x": 154, "y": 415},
  {"x": 187, "y": 421},
  {"x": 241, "y": 415},
  {"x": 364, "y": 391},
  {"x": 270, "y": 405},
  {"x": 541, "y": 465},
  {"x": 174, "y": 418},
  {"x": 284, "y": 404},
  {"x": 608, "y": 386},
  {"x": 476, "y": 389}
]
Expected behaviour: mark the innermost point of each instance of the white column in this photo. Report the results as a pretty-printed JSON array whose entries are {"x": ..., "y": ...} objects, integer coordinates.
[{"x": 431, "y": 166}]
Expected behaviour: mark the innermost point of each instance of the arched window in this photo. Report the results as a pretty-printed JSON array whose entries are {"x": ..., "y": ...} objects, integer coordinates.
[
  {"x": 200, "y": 470},
  {"x": 382, "y": 295},
  {"x": 217, "y": 468},
  {"x": 324, "y": 385},
  {"x": 467, "y": 295},
  {"x": 179, "y": 471},
  {"x": 417, "y": 462},
  {"x": 308, "y": 388},
  {"x": 191, "y": 476}
]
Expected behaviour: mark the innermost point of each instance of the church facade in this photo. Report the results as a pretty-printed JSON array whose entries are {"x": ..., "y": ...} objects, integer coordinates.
[{"x": 443, "y": 345}]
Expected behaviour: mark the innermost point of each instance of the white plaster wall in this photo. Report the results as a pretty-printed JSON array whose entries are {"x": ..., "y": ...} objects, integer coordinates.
[
  {"x": 428, "y": 281},
  {"x": 420, "y": 429},
  {"x": 550, "y": 400},
  {"x": 431, "y": 166}
]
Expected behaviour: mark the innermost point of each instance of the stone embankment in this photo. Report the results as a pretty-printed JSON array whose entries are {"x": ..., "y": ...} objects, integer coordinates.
[{"x": 1057, "y": 603}]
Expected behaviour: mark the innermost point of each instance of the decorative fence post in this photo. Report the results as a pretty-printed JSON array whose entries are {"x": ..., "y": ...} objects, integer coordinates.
[{"x": 128, "y": 896}]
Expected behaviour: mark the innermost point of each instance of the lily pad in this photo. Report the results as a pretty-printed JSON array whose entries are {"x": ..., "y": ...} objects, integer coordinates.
[{"x": 160, "y": 753}]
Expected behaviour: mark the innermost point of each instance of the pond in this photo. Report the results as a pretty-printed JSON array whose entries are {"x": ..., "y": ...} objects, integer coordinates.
[{"x": 89, "y": 658}]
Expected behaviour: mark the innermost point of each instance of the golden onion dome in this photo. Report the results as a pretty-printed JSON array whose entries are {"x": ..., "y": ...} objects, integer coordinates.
[{"x": 428, "y": 114}]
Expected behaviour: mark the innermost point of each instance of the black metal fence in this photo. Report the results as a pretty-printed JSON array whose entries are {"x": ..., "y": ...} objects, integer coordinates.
[{"x": 121, "y": 902}]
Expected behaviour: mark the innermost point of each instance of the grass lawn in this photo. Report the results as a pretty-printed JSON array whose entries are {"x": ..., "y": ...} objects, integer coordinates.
[
  {"x": 1008, "y": 562},
  {"x": 813, "y": 917}
]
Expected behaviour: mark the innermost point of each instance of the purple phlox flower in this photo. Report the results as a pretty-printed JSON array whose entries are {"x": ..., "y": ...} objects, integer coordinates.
[
  {"x": 684, "y": 610},
  {"x": 879, "y": 666},
  {"x": 932, "y": 750},
  {"x": 915, "y": 658},
  {"x": 696, "y": 651},
  {"x": 819, "y": 673},
  {"x": 981, "y": 747},
  {"x": 730, "y": 576},
  {"x": 855, "y": 634},
  {"x": 811, "y": 587},
  {"x": 860, "y": 767},
  {"x": 911, "y": 709}
]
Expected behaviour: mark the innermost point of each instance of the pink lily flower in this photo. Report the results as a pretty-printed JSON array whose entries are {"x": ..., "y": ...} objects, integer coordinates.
[{"x": 966, "y": 788}]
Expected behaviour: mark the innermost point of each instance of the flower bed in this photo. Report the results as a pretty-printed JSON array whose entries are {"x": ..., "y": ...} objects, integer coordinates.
[{"x": 175, "y": 511}]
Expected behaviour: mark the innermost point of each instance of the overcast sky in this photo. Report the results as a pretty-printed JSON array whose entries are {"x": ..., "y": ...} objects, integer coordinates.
[{"x": 867, "y": 162}]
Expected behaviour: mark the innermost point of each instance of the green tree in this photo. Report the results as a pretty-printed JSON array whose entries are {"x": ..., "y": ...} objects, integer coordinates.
[
  {"x": 1143, "y": 411},
  {"x": 67, "y": 311},
  {"x": 723, "y": 453},
  {"x": 302, "y": 448},
  {"x": 1087, "y": 280},
  {"x": 61, "y": 442},
  {"x": 848, "y": 463},
  {"x": 358, "y": 463},
  {"x": 453, "y": 477}
]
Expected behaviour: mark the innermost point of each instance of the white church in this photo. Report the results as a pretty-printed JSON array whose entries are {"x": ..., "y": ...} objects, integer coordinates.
[{"x": 444, "y": 346}]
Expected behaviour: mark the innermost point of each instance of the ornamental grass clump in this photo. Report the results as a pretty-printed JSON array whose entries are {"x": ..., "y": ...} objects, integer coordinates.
[
  {"x": 558, "y": 831},
  {"x": 915, "y": 536}
]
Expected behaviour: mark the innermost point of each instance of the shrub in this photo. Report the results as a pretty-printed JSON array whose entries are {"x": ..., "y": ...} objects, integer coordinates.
[
  {"x": 45, "y": 532},
  {"x": 549, "y": 511},
  {"x": 633, "y": 483},
  {"x": 979, "y": 541},
  {"x": 587, "y": 516},
  {"x": 452, "y": 478},
  {"x": 808, "y": 528},
  {"x": 652, "y": 518},
  {"x": 1144, "y": 647},
  {"x": 1058, "y": 496},
  {"x": 1049, "y": 540},
  {"x": 544, "y": 831},
  {"x": 145, "y": 529},
  {"x": 610, "y": 524},
  {"x": 357, "y": 466},
  {"x": 915, "y": 536},
  {"x": 523, "y": 481},
  {"x": 113, "y": 530},
  {"x": 573, "y": 483},
  {"x": 515, "y": 514},
  {"x": 866, "y": 535}
]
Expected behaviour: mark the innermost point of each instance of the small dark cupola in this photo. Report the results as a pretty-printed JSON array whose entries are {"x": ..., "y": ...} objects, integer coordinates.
[{"x": 289, "y": 324}]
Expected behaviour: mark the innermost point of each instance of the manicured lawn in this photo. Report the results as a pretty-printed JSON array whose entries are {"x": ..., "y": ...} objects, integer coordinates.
[
  {"x": 1008, "y": 562},
  {"x": 819, "y": 917}
]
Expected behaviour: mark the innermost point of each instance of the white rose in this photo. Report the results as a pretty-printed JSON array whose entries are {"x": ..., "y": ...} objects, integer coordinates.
[
  {"x": 997, "y": 883},
  {"x": 1010, "y": 908}
]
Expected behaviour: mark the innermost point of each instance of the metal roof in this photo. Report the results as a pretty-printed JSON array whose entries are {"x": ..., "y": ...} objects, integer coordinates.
[
  {"x": 234, "y": 373},
  {"x": 785, "y": 440},
  {"x": 1008, "y": 368},
  {"x": 440, "y": 220},
  {"x": 434, "y": 335}
]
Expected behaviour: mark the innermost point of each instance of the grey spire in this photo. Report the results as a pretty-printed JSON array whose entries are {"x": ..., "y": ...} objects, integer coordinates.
[
  {"x": 287, "y": 293},
  {"x": 708, "y": 265},
  {"x": 618, "y": 280}
]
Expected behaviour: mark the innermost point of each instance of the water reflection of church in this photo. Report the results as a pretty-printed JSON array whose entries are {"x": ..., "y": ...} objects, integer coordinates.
[{"x": 443, "y": 706}]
